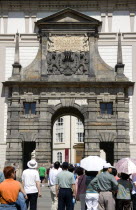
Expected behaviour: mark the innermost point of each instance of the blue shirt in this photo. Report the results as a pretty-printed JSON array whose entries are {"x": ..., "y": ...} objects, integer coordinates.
[
  {"x": 89, "y": 187},
  {"x": 1, "y": 177}
]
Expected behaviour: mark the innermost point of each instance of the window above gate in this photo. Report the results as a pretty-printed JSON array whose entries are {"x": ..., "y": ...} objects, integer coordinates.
[
  {"x": 30, "y": 108},
  {"x": 106, "y": 108}
]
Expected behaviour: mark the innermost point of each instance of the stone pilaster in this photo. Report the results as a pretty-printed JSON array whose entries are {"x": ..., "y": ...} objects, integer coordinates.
[
  {"x": 91, "y": 56},
  {"x": 103, "y": 18},
  {"x": 44, "y": 55},
  {"x": 91, "y": 138},
  {"x": 27, "y": 20},
  {"x": 5, "y": 23},
  {"x": 122, "y": 126},
  {"x": 33, "y": 20},
  {"x": 0, "y": 23},
  {"x": 43, "y": 146},
  {"x": 132, "y": 19},
  {"x": 109, "y": 22},
  {"x": 14, "y": 146}
]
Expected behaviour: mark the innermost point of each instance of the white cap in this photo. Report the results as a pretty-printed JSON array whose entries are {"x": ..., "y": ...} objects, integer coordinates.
[
  {"x": 32, "y": 164},
  {"x": 107, "y": 165}
]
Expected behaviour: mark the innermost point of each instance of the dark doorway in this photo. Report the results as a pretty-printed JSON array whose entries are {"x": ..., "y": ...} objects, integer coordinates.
[
  {"x": 28, "y": 148},
  {"x": 108, "y": 148}
]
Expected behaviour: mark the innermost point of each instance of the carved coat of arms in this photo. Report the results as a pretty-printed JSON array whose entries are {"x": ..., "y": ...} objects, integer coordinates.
[{"x": 68, "y": 62}]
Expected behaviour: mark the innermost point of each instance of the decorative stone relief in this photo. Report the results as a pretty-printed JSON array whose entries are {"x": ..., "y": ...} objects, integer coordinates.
[
  {"x": 106, "y": 97},
  {"x": 53, "y": 102},
  {"x": 81, "y": 102},
  {"x": 107, "y": 136},
  {"x": 28, "y": 136},
  {"x": 68, "y": 42},
  {"x": 68, "y": 102},
  {"x": 68, "y": 63}
]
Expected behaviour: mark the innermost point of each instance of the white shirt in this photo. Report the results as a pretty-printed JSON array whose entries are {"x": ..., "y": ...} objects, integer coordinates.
[
  {"x": 134, "y": 181},
  {"x": 29, "y": 178},
  {"x": 52, "y": 175}
]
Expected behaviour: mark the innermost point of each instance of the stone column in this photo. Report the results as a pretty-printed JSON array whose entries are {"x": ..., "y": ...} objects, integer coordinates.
[
  {"x": 91, "y": 140},
  {"x": 43, "y": 145}
]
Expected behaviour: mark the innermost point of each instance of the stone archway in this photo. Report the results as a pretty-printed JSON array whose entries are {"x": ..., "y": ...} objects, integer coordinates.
[{"x": 71, "y": 149}]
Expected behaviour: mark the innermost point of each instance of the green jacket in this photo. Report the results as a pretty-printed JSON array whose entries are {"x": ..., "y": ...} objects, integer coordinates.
[{"x": 104, "y": 182}]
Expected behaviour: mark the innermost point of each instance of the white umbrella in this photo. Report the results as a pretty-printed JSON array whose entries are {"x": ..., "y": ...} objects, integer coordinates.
[{"x": 92, "y": 163}]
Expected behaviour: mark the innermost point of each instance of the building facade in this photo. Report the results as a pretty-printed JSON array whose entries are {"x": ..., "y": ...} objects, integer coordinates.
[
  {"x": 68, "y": 135},
  {"x": 77, "y": 72}
]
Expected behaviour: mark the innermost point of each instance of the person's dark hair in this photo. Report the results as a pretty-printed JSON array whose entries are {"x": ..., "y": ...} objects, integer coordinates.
[
  {"x": 114, "y": 172},
  {"x": 79, "y": 171},
  {"x": 56, "y": 164},
  {"x": 91, "y": 173},
  {"x": 105, "y": 169},
  {"x": 71, "y": 168},
  {"x": 124, "y": 176},
  {"x": 8, "y": 171},
  {"x": 65, "y": 165}
]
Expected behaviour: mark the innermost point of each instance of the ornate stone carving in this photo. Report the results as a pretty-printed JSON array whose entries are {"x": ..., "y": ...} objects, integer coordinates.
[
  {"x": 107, "y": 136},
  {"x": 53, "y": 102},
  {"x": 81, "y": 101},
  {"x": 68, "y": 63},
  {"x": 68, "y": 42},
  {"x": 28, "y": 136}
]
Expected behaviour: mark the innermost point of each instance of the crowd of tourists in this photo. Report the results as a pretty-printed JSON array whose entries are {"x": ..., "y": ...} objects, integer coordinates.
[{"x": 95, "y": 190}]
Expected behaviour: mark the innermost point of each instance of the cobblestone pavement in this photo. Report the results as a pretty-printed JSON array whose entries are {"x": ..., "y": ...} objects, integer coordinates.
[{"x": 44, "y": 203}]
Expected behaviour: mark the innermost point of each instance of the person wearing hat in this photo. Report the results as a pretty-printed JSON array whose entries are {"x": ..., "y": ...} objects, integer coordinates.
[
  {"x": 65, "y": 188},
  {"x": 31, "y": 182},
  {"x": 106, "y": 185}
]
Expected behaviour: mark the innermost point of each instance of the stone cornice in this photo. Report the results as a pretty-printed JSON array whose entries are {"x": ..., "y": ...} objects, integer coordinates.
[
  {"x": 46, "y": 5},
  {"x": 68, "y": 84}
]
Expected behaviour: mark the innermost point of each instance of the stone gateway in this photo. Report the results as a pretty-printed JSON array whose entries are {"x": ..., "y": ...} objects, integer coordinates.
[{"x": 67, "y": 69}]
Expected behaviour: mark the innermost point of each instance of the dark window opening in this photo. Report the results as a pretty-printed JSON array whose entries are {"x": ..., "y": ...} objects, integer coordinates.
[
  {"x": 106, "y": 108},
  {"x": 30, "y": 108},
  {"x": 80, "y": 137},
  {"x": 59, "y": 137},
  {"x": 60, "y": 121},
  {"x": 28, "y": 148}
]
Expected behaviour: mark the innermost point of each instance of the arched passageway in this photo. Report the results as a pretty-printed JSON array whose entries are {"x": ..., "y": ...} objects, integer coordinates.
[{"x": 67, "y": 135}]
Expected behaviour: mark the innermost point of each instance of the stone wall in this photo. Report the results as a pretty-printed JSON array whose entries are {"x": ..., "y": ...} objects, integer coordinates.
[{"x": 98, "y": 128}]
